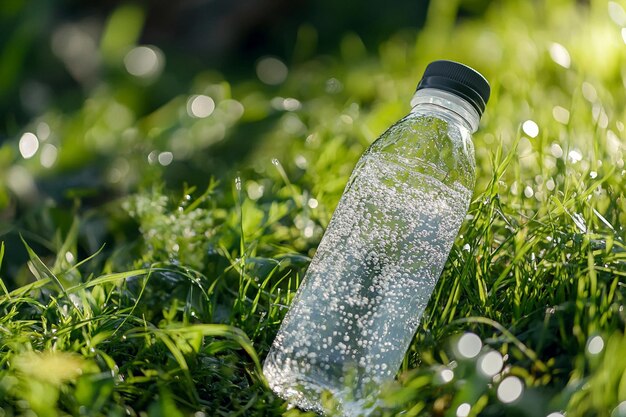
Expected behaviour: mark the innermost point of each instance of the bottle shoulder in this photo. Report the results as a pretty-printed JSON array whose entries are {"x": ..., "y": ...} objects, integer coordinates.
[
  {"x": 431, "y": 145},
  {"x": 417, "y": 128}
]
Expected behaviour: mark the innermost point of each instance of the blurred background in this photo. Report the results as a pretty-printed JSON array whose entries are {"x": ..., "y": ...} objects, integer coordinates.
[{"x": 102, "y": 99}]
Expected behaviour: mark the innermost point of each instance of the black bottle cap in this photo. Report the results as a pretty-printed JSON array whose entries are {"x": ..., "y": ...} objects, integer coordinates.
[{"x": 458, "y": 79}]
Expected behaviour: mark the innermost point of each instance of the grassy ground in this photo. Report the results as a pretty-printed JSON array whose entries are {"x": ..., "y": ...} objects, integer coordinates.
[{"x": 174, "y": 314}]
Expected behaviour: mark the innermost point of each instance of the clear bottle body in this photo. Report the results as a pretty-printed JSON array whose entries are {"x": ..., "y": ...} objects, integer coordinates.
[{"x": 359, "y": 305}]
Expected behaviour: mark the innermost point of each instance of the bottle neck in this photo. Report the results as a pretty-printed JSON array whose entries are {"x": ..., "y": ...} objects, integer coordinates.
[{"x": 448, "y": 105}]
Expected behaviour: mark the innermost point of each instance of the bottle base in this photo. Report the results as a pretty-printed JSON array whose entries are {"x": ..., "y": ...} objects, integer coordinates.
[{"x": 311, "y": 394}]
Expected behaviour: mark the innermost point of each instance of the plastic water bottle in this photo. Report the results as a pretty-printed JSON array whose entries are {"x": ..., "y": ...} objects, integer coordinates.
[{"x": 359, "y": 305}]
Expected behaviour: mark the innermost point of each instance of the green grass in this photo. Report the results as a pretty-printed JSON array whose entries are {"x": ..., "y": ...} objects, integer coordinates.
[{"x": 174, "y": 314}]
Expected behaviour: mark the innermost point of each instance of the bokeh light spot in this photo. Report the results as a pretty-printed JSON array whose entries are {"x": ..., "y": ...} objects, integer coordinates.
[
  {"x": 446, "y": 375},
  {"x": 556, "y": 150},
  {"x": 144, "y": 61},
  {"x": 48, "y": 155},
  {"x": 490, "y": 363},
  {"x": 463, "y": 410},
  {"x": 595, "y": 345},
  {"x": 254, "y": 190},
  {"x": 510, "y": 389},
  {"x": 560, "y": 55},
  {"x": 560, "y": 114},
  {"x": 528, "y": 191},
  {"x": 600, "y": 116},
  {"x": 530, "y": 128},
  {"x": 152, "y": 157},
  {"x": 333, "y": 86},
  {"x": 77, "y": 47},
  {"x": 620, "y": 410},
  {"x": 589, "y": 92},
  {"x": 28, "y": 145},
  {"x": 233, "y": 109},
  {"x": 271, "y": 70},
  {"x": 575, "y": 156},
  {"x": 292, "y": 124},
  {"x": 469, "y": 345},
  {"x": 200, "y": 106},
  {"x": 21, "y": 182},
  {"x": 617, "y": 13},
  {"x": 43, "y": 131},
  {"x": 291, "y": 104},
  {"x": 301, "y": 161},
  {"x": 165, "y": 158}
]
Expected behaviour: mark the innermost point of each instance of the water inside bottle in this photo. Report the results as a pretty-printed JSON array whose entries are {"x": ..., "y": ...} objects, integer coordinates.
[{"x": 366, "y": 287}]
